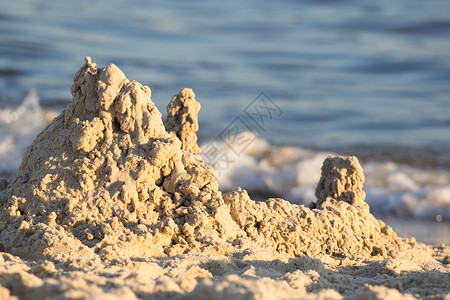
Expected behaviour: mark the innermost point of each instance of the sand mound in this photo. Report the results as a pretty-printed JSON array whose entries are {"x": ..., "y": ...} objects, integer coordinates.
[
  {"x": 107, "y": 178},
  {"x": 111, "y": 190}
]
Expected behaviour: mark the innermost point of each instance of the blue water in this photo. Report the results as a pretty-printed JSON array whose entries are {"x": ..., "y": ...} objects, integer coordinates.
[{"x": 352, "y": 75}]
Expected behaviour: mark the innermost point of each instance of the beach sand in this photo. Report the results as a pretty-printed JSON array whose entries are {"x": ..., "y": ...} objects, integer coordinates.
[{"x": 113, "y": 202}]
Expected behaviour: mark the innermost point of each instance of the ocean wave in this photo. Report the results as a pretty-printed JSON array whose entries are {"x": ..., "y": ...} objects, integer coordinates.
[
  {"x": 263, "y": 169},
  {"x": 18, "y": 127},
  {"x": 293, "y": 172}
]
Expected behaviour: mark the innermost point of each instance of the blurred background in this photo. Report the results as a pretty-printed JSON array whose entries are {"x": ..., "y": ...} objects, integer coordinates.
[{"x": 367, "y": 78}]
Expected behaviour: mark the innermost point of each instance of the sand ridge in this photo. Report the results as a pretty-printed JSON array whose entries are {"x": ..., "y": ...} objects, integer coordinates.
[{"x": 108, "y": 183}]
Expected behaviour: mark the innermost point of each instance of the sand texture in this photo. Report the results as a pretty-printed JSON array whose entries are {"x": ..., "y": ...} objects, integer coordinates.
[{"x": 113, "y": 202}]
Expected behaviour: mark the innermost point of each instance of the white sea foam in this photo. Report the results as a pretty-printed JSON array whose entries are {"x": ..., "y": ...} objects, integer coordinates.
[
  {"x": 264, "y": 169},
  {"x": 293, "y": 173},
  {"x": 18, "y": 127}
]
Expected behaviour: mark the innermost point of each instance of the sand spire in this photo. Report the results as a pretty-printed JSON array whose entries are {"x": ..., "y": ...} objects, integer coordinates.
[
  {"x": 182, "y": 119},
  {"x": 342, "y": 179}
]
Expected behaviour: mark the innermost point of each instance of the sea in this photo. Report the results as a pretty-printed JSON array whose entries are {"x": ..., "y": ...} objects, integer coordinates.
[{"x": 282, "y": 84}]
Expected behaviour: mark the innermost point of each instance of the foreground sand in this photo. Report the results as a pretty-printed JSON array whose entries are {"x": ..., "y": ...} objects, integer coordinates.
[
  {"x": 113, "y": 202},
  {"x": 249, "y": 274}
]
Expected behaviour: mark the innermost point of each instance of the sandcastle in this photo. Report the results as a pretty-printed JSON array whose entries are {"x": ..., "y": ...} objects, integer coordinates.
[{"x": 107, "y": 178}]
